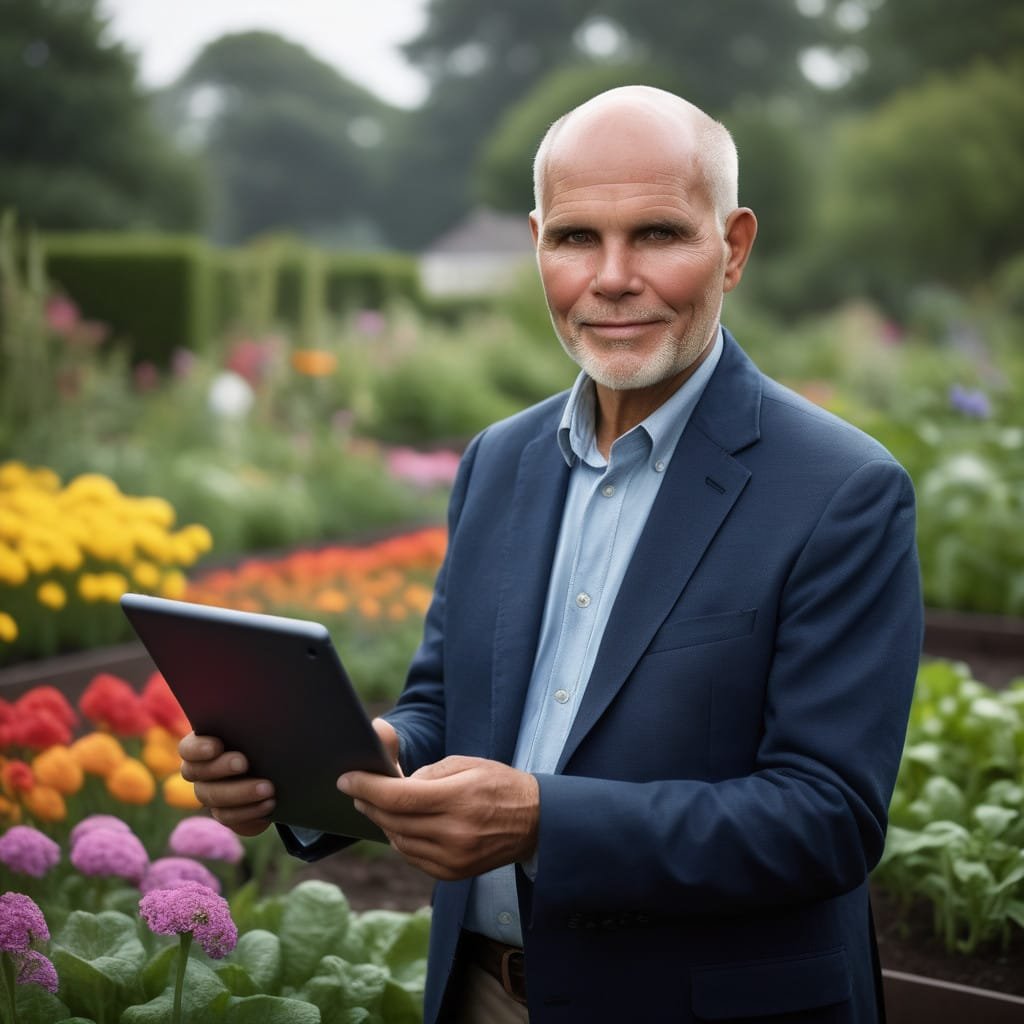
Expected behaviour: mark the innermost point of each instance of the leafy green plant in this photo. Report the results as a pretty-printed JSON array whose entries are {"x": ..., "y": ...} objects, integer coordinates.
[{"x": 956, "y": 838}]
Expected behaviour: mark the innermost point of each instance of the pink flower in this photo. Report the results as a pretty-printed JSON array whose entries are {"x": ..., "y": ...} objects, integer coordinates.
[
  {"x": 203, "y": 837},
  {"x": 104, "y": 822},
  {"x": 27, "y": 851},
  {"x": 36, "y": 969},
  {"x": 110, "y": 854},
  {"x": 173, "y": 872},
  {"x": 191, "y": 908},
  {"x": 424, "y": 469},
  {"x": 21, "y": 922},
  {"x": 62, "y": 315}
]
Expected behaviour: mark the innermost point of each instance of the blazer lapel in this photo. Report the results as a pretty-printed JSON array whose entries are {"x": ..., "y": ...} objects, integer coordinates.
[
  {"x": 701, "y": 485},
  {"x": 534, "y": 521}
]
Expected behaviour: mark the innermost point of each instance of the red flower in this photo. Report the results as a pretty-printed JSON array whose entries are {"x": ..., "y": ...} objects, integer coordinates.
[
  {"x": 112, "y": 704},
  {"x": 161, "y": 703},
  {"x": 38, "y": 729},
  {"x": 16, "y": 777},
  {"x": 50, "y": 699}
]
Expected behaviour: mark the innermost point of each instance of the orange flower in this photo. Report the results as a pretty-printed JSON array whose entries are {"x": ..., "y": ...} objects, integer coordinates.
[
  {"x": 98, "y": 753},
  {"x": 16, "y": 777},
  {"x": 58, "y": 769},
  {"x": 111, "y": 703},
  {"x": 179, "y": 793},
  {"x": 314, "y": 362},
  {"x": 160, "y": 752},
  {"x": 10, "y": 812},
  {"x": 45, "y": 804},
  {"x": 131, "y": 782}
]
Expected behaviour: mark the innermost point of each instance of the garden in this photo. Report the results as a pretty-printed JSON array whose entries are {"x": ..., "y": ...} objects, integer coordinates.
[{"x": 266, "y": 474}]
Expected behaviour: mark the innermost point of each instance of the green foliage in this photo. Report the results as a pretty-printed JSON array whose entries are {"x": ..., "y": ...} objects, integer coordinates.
[
  {"x": 287, "y": 141},
  {"x": 956, "y": 838},
  {"x": 78, "y": 146},
  {"x": 931, "y": 186},
  {"x": 152, "y": 290},
  {"x": 503, "y": 174}
]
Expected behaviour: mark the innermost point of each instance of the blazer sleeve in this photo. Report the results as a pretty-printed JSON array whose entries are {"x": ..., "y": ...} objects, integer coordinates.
[{"x": 809, "y": 821}]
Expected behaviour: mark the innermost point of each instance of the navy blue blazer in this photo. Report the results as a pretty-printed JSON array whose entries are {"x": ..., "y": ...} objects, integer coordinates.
[{"x": 705, "y": 841}]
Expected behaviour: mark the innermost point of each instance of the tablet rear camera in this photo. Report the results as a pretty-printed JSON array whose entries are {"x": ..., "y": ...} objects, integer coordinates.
[{"x": 311, "y": 653}]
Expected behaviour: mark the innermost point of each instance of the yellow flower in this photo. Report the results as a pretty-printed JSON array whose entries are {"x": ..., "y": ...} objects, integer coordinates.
[
  {"x": 131, "y": 782},
  {"x": 179, "y": 793},
  {"x": 52, "y": 595},
  {"x": 90, "y": 487},
  {"x": 146, "y": 575},
  {"x": 58, "y": 768},
  {"x": 199, "y": 537},
  {"x": 45, "y": 804},
  {"x": 13, "y": 474},
  {"x": 98, "y": 753},
  {"x": 174, "y": 585},
  {"x": 8, "y": 629},
  {"x": 154, "y": 510}
]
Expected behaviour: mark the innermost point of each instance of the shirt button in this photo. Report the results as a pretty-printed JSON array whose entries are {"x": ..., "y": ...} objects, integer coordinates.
[
  {"x": 504, "y": 917},
  {"x": 608, "y": 490},
  {"x": 659, "y": 466},
  {"x": 561, "y": 696},
  {"x": 583, "y": 599}
]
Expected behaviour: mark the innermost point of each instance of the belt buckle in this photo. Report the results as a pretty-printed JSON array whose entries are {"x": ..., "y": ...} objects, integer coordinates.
[{"x": 513, "y": 987}]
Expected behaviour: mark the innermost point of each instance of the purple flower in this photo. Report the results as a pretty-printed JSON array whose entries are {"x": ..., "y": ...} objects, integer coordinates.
[
  {"x": 26, "y": 850},
  {"x": 191, "y": 908},
  {"x": 111, "y": 854},
  {"x": 970, "y": 403},
  {"x": 109, "y": 822},
  {"x": 36, "y": 969},
  {"x": 173, "y": 872},
  {"x": 203, "y": 837},
  {"x": 21, "y": 922}
]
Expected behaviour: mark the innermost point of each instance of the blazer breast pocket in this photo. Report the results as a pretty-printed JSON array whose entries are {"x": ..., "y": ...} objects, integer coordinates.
[{"x": 705, "y": 629}]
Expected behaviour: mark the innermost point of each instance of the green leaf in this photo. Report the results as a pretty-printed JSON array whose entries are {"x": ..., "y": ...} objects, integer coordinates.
[
  {"x": 314, "y": 924},
  {"x": 204, "y": 1000},
  {"x": 393, "y": 939},
  {"x": 944, "y": 798},
  {"x": 259, "y": 952},
  {"x": 236, "y": 978},
  {"x": 993, "y": 820},
  {"x": 402, "y": 1005},
  {"x": 339, "y": 985},
  {"x": 98, "y": 959},
  {"x": 38, "y": 1006},
  {"x": 156, "y": 975},
  {"x": 973, "y": 874},
  {"x": 264, "y": 1009}
]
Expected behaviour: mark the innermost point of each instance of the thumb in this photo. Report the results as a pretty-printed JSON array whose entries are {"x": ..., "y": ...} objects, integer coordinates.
[{"x": 446, "y": 767}]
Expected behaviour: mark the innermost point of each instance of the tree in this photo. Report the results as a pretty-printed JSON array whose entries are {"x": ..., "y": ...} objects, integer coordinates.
[
  {"x": 290, "y": 144},
  {"x": 931, "y": 186},
  {"x": 78, "y": 144}
]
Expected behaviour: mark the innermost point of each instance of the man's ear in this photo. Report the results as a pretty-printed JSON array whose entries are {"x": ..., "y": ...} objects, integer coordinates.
[
  {"x": 534, "y": 227},
  {"x": 740, "y": 231}
]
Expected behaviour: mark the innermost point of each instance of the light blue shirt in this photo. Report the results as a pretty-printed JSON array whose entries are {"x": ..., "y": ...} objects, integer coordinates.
[{"x": 606, "y": 508}]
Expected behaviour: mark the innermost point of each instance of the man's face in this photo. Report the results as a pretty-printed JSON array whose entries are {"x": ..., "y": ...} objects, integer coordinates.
[{"x": 631, "y": 256}]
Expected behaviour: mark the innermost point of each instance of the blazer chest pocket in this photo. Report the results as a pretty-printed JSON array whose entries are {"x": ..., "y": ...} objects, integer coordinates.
[{"x": 706, "y": 629}]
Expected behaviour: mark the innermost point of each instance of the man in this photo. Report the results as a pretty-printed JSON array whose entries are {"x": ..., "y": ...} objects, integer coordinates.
[{"x": 653, "y": 727}]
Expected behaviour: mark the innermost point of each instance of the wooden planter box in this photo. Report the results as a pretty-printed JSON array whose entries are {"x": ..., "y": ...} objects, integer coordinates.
[{"x": 912, "y": 999}]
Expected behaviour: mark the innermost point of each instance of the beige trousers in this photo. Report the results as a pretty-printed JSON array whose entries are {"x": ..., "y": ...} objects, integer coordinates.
[{"x": 482, "y": 1000}]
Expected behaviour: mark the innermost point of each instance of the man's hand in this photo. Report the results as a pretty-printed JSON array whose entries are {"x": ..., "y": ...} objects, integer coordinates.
[
  {"x": 239, "y": 802},
  {"x": 459, "y": 817}
]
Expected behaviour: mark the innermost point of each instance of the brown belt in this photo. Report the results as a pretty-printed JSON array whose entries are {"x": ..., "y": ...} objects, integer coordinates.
[{"x": 499, "y": 960}]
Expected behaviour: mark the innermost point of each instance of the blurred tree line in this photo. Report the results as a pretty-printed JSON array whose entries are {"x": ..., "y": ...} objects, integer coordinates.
[{"x": 881, "y": 141}]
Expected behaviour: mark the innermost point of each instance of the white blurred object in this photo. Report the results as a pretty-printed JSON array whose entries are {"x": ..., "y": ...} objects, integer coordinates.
[{"x": 230, "y": 396}]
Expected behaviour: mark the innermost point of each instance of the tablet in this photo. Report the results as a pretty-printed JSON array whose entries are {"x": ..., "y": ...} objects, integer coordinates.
[{"x": 274, "y": 689}]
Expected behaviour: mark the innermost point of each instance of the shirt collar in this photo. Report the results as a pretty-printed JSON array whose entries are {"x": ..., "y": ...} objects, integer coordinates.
[{"x": 664, "y": 426}]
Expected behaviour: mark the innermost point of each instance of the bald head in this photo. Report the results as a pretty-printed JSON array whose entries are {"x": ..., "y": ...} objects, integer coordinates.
[{"x": 634, "y": 112}]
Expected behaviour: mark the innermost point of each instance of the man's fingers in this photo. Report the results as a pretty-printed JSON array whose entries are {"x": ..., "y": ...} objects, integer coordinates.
[
  {"x": 246, "y": 821},
  {"x": 236, "y": 793},
  {"x": 225, "y": 766},
  {"x": 199, "y": 748}
]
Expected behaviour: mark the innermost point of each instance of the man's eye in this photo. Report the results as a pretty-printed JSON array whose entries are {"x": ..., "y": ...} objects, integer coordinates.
[
  {"x": 660, "y": 234},
  {"x": 577, "y": 237}
]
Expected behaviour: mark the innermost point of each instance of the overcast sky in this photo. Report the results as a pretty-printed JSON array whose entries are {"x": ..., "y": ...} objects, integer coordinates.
[{"x": 359, "y": 37}]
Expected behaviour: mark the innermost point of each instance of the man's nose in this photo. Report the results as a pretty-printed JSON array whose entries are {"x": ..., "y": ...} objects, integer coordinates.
[{"x": 615, "y": 274}]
